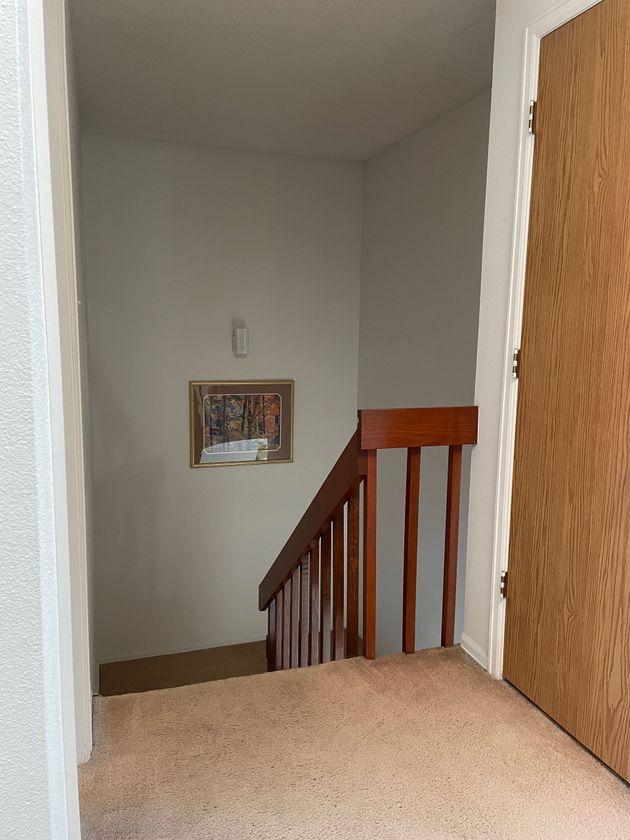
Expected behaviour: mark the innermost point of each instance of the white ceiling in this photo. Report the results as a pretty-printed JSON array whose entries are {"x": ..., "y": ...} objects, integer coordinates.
[{"x": 330, "y": 78}]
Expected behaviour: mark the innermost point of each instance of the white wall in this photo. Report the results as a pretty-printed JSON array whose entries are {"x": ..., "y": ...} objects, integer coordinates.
[
  {"x": 38, "y": 790},
  {"x": 513, "y": 16},
  {"x": 423, "y": 217},
  {"x": 179, "y": 241}
]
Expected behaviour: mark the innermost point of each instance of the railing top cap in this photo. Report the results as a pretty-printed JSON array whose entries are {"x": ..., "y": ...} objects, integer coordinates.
[
  {"x": 394, "y": 428},
  {"x": 379, "y": 428}
]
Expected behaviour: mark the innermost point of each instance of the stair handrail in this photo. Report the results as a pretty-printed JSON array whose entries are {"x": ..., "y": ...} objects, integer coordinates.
[
  {"x": 349, "y": 469},
  {"x": 305, "y": 610}
]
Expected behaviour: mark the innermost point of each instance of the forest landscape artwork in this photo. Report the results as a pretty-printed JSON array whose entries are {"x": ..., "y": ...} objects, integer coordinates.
[{"x": 241, "y": 423}]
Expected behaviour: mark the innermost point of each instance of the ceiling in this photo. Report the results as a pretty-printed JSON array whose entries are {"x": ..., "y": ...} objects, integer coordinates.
[{"x": 327, "y": 78}]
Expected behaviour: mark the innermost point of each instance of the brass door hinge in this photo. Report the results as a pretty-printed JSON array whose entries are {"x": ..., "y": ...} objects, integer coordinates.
[
  {"x": 533, "y": 108},
  {"x": 504, "y": 583},
  {"x": 516, "y": 363}
]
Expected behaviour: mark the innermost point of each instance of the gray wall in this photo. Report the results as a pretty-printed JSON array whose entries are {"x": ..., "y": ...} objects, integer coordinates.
[
  {"x": 179, "y": 241},
  {"x": 423, "y": 222}
]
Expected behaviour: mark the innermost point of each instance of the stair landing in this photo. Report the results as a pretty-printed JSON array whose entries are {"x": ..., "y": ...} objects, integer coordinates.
[{"x": 421, "y": 746}]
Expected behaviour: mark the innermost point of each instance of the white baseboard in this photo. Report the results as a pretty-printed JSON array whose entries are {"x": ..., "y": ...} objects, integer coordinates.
[{"x": 472, "y": 649}]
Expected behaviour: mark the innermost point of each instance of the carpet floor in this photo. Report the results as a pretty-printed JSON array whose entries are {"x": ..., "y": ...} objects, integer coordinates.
[{"x": 402, "y": 748}]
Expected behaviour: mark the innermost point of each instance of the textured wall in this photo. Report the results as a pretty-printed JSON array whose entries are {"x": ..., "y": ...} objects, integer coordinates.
[
  {"x": 32, "y": 781},
  {"x": 179, "y": 241},
  {"x": 423, "y": 221}
]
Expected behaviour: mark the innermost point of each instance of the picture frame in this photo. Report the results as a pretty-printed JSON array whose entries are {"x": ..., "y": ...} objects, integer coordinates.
[{"x": 241, "y": 422}]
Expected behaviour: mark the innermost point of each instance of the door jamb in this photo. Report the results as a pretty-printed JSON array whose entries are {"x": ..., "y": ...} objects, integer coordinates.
[
  {"x": 534, "y": 33},
  {"x": 48, "y": 55}
]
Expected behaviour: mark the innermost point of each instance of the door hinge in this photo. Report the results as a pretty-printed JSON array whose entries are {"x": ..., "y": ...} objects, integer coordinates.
[
  {"x": 504, "y": 583},
  {"x": 516, "y": 364},
  {"x": 533, "y": 108}
]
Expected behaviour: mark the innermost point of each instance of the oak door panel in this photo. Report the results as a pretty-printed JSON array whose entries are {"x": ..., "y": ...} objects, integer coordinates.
[{"x": 567, "y": 644}]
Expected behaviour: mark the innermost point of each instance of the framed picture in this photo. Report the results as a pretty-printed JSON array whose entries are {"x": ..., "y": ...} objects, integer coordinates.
[{"x": 241, "y": 423}]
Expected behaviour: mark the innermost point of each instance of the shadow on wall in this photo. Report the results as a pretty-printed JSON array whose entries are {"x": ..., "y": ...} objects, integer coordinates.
[{"x": 129, "y": 585}]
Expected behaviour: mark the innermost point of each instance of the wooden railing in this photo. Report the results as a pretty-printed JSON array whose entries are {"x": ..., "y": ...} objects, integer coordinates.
[{"x": 312, "y": 590}]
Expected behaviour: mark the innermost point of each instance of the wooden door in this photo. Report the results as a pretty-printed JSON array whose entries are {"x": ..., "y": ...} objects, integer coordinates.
[{"x": 567, "y": 641}]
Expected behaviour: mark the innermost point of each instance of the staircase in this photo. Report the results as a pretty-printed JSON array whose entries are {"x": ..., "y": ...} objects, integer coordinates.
[{"x": 313, "y": 591}]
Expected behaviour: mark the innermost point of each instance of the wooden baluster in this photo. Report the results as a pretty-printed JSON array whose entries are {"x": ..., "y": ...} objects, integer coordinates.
[
  {"x": 412, "y": 502},
  {"x": 279, "y": 617},
  {"x": 314, "y": 612},
  {"x": 369, "y": 558},
  {"x": 450, "y": 544},
  {"x": 286, "y": 631},
  {"x": 338, "y": 584},
  {"x": 295, "y": 618},
  {"x": 352, "y": 596},
  {"x": 325, "y": 611},
  {"x": 305, "y": 593},
  {"x": 271, "y": 636}
]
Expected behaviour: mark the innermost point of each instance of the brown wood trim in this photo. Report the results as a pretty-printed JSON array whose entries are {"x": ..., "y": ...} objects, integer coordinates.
[
  {"x": 305, "y": 598},
  {"x": 279, "y": 632},
  {"x": 286, "y": 626},
  {"x": 295, "y": 618},
  {"x": 450, "y": 545},
  {"x": 314, "y": 612},
  {"x": 338, "y": 596},
  {"x": 369, "y": 558},
  {"x": 387, "y": 428},
  {"x": 271, "y": 636},
  {"x": 410, "y": 565},
  {"x": 188, "y": 668},
  {"x": 349, "y": 468},
  {"x": 352, "y": 575},
  {"x": 325, "y": 626}
]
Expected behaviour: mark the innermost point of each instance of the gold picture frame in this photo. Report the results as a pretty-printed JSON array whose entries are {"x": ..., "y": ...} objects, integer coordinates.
[{"x": 241, "y": 423}]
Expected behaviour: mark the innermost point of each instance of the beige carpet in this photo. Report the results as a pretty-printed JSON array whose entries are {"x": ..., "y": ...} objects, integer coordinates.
[{"x": 403, "y": 748}]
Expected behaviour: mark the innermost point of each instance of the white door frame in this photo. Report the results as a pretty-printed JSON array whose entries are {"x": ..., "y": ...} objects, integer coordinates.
[
  {"x": 534, "y": 33},
  {"x": 51, "y": 121}
]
